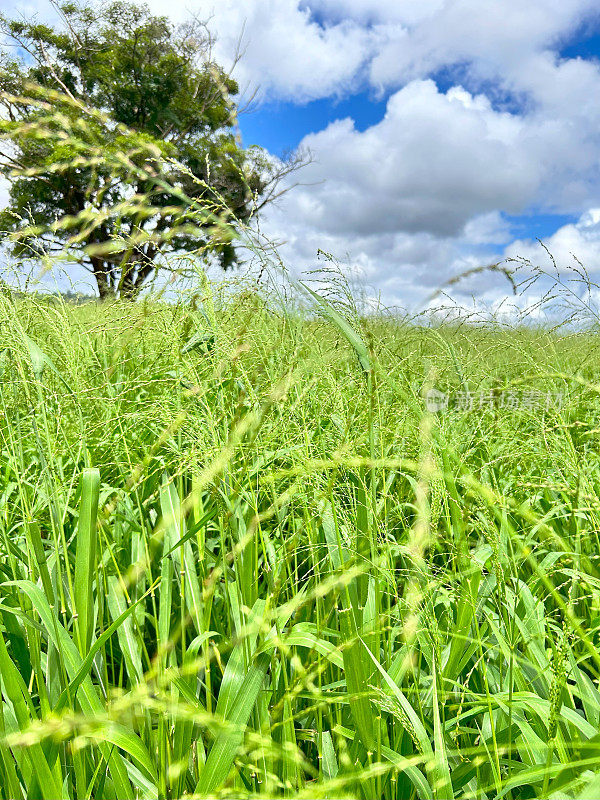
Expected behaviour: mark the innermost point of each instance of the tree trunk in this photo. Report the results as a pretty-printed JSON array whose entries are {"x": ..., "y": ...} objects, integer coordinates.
[
  {"x": 101, "y": 271},
  {"x": 105, "y": 291},
  {"x": 133, "y": 282},
  {"x": 133, "y": 277}
]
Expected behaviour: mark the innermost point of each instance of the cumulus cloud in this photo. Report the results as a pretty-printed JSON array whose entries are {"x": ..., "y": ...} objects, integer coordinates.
[
  {"x": 406, "y": 269},
  {"x": 433, "y": 162},
  {"x": 286, "y": 54},
  {"x": 373, "y": 12},
  {"x": 493, "y": 38},
  {"x": 401, "y": 269},
  {"x": 577, "y": 241},
  {"x": 300, "y": 50},
  {"x": 421, "y": 196}
]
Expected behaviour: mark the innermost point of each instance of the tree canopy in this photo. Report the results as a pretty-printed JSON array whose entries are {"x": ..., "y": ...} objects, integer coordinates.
[{"x": 116, "y": 108}]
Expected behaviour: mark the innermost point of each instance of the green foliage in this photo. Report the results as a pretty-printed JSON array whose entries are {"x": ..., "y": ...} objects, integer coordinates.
[
  {"x": 167, "y": 120},
  {"x": 238, "y": 562}
]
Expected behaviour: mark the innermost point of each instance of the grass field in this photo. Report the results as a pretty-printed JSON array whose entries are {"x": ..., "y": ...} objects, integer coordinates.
[{"x": 240, "y": 559}]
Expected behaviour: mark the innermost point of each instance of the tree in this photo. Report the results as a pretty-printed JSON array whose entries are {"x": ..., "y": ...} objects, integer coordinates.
[{"x": 130, "y": 113}]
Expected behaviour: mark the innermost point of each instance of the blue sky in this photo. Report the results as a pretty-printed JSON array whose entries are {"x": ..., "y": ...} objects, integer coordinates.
[
  {"x": 280, "y": 126},
  {"x": 583, "y": 43},
  {"x": 445, "y": 134}
]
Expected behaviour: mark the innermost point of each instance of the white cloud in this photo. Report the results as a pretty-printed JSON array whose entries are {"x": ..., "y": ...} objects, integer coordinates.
[
  {"x": 487, "y": 229},
  {"x": 417, "y": 198},
  {"x": 405, "y": 269},
  {"x": 373, "y": 12},
  {"x": 494, "y": 37},
  {"x": 579, "y": 240},
  {"x": 432, "y": 163},
  {"x": 286, "y": 54},
  {"x": 301, "y": 50}
]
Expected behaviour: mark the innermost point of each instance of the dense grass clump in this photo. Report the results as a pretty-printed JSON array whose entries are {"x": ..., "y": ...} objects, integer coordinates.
[{"x": 240, "y": 558}]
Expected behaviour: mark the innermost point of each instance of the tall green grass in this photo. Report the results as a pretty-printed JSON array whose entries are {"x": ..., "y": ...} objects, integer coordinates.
[{"x": 240, "y": 559}]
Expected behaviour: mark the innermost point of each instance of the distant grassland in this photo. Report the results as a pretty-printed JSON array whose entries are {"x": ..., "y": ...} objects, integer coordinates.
[{"x": 238, "y": 562}]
